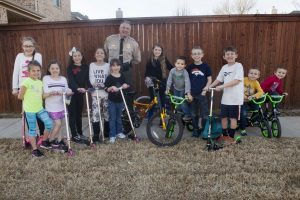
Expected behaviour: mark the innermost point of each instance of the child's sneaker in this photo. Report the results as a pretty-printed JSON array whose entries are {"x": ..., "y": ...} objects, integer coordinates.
[
  {"x": 196, "y": 133},
  {"x": 112, "y": 140},
  {"x": 37, "y": 153},
  {"x": 46, "y": 144},
  {"x": 243, "y": 132},
  {"x": 186, "y": 118},
  {"x": 121, "y": 136}
]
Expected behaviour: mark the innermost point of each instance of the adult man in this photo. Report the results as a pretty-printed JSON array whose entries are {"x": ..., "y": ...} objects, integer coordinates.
[{"x": 125, "y": 48}]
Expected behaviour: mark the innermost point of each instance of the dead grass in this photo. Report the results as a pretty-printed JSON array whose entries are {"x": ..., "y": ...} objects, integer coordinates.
[{"x": 256, "y": 169}]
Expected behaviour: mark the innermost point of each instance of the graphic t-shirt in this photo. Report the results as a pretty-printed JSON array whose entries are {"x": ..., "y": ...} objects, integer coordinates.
[
  {"x": 98, "y": 75},
  {"x": 21, "y": 68},
  {"x": 232, "y": 95},
  {"x": 55, "y": 103},
  {"x": 33, "y": 100},
  {"x": 198, "y": 77}
]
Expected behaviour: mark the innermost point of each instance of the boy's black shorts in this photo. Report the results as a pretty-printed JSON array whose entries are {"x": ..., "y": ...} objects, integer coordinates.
[{"x": 230, "y": 111}]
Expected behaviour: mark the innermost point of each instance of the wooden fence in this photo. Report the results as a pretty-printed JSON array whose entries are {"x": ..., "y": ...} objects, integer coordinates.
[{"x": 262, "y": 40}]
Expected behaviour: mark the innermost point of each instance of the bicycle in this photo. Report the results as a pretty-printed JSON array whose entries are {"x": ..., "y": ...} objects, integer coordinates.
[
  {"x": 141, "y": 107},
  {"x": 258, "y": 118},
  {"x": 273, "y": 115},
  {"x": 165, "y": 127}
]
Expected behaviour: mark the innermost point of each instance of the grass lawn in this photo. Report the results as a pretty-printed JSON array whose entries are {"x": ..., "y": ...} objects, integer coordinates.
[{"x": 258, "y": 168}]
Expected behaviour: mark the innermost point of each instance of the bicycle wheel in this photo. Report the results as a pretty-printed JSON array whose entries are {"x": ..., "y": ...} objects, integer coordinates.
[
  {"x": 168, "y": 137},
  {"x": 276, "y": 127},
  {"x": 265, "y": 128}
]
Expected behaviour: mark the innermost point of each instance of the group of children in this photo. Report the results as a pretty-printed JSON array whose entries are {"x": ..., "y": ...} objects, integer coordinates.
[{"x": 193, "y": 81}]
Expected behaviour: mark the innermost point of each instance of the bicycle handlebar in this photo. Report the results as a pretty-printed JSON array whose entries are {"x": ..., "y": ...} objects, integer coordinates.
[
  {"x": 176, "y": 99},
  {"x": 260, "y": 100},
  {"x": 275, "y": 99}
]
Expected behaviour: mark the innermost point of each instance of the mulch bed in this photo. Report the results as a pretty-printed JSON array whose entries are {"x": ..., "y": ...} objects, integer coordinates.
[{"x": 259, "y": 168}]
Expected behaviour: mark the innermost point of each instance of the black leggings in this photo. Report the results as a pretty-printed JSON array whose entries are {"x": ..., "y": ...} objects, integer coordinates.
[{"x": 75, "y": 114}]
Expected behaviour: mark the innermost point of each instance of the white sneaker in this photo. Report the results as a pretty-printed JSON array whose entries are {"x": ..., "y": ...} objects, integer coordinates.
[
  {"x": 112, "y": 140},
  {"x": 121, "y": 136}
]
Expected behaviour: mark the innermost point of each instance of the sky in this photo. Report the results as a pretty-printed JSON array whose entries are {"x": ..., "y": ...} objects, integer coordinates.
[{"x": 105, "y": 9}]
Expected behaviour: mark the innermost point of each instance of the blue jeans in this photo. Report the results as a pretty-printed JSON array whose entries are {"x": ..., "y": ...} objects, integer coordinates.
[
  {"x": 32, "y": 118},
  {"x": 184, "y": 107},
  {"x": 244, "y": 111},
  {"x": 199, "y": 102},
  {"x": 115, "y": 120}
]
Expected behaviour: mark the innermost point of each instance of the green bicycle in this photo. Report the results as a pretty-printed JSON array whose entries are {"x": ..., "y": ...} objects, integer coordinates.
[
  {"x": 258, "y": 118},
  {"x": 165, "y": 127},
  {"x": 272, "y": 116}
]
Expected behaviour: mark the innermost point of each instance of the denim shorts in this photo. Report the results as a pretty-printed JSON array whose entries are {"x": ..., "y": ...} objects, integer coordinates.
[{"x": 57, "y": 115}]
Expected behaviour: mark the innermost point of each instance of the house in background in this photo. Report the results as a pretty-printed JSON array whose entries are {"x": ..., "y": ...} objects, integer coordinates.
[{"x": 13, "y": 11}]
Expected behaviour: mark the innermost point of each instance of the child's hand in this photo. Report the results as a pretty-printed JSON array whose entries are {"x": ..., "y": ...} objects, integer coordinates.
[
  {"x": 167, "y": 91},
  {"x": 190, "y": 97},
  {"x": 205, "y": 89},
  {"x": 125, "y": 86},
  {"x": 81, "y": 90},
  {"x": 219, "y": 88},
  {"x": 113, "y": 89},
  {"x": 15, "y": 92},
  {"x": 203, "y": 93},
  {"x": 285, "y": 93},
  {"x": 250, "y": 98}
]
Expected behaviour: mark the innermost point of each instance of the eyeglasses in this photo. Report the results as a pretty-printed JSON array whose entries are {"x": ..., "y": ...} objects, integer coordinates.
[
  {"x": 28, "y": 46},
  {"x": 195, "y": 54}
]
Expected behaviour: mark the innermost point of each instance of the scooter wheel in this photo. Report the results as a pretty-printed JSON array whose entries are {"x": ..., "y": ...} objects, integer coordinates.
[
  {"x": 137, "y": 139},
  {"x": 70, "y": 153},
  {"x": 93, "y": 146}
]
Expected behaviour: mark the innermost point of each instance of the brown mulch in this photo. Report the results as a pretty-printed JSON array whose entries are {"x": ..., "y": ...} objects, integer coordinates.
[{"x": 258, "y": 168}]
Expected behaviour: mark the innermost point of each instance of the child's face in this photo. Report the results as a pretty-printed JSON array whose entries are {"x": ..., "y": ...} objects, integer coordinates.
[
  {"x": 157, "y": 52},
  {"x": 280, "y": 73},
  {"x": 180, "y": 64},
  {"x": 54, "y": 70},
  {"x": 197, "y": 55},
  {"x": 115, "y": 68},
  {"x": 28, "y": 48},
  {"x": 35, "y": 72},
  {"x": 77, "y": 58},
  {"x": 253, "y": 74},
  {"x": 99, "y": 55},
  {"x": 230, "y": 57}
]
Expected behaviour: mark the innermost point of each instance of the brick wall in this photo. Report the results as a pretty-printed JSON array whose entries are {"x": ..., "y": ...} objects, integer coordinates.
[
  {"x": 48, "y": 9},
  {"x": 3, "y": 15},
  {"x": 53, "y": 13}
]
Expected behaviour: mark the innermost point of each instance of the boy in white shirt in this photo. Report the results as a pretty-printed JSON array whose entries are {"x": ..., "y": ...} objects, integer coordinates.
[{"x": 232, "y": 76}]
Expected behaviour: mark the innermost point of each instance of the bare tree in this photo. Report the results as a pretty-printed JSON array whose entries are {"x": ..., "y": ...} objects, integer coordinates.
[
  {"x": 296, "y": 4},
  {"x": 183, "y": 9},
  {"x": 224, "y": 8},
  {"x": 237, "y": 7},
  {"x": 244, "y": 6}
]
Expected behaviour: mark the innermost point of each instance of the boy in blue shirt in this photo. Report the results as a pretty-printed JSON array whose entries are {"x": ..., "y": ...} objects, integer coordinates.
[{"x": 200, "y": 77}]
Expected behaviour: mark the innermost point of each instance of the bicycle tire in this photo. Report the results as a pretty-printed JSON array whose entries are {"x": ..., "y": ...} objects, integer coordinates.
[
  {"x": 265, "y": 128},
  {"x": 276, "y": 127},
  {"x": 160, "y": 137}
]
